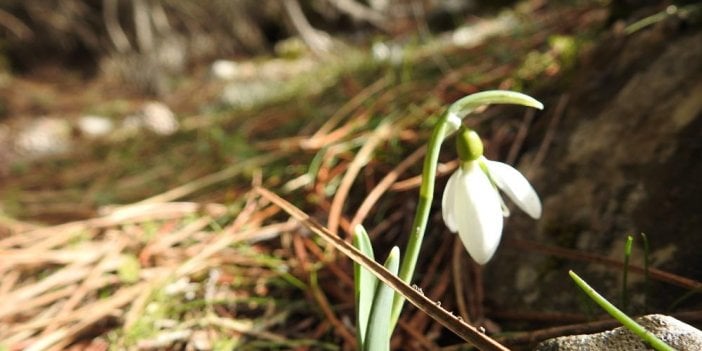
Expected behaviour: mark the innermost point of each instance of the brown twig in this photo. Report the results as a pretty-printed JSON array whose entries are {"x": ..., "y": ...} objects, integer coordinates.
[
  {"x": 344, "y": 279},
  {"x": 347, "y": 108},
  {"x": 550, "y": 133},
  {"x": 85, "y": 287},
  {"x": 543, "y": 334},
  {"x": 212, "y": 179},
  {"x": 385, "y": 184},
  {"x": 586, "y": 257},
  {"x": 362, "y": 157},
  {"x": 521, "y": 136},
  {"x": 90, "y": 314},
  {"x": 442, "y": 169},
  {"x": 435, "y": 279},
  {"x": 323, "y": 303}
]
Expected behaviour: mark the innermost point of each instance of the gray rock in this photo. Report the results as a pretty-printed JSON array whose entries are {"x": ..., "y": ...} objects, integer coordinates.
[
  {"x": 624, "y": 160},
  {"x": 153, "y": 116},
  {"x": 675, "y": 333}
]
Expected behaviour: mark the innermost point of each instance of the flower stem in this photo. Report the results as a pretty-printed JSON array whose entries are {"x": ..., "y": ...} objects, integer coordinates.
[{"x": 426, "y": 194}]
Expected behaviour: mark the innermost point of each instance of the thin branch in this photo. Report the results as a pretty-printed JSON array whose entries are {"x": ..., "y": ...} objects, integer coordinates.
[
  {"x": 114, "y": 30},
  {"x": 317, "y": 41},
  {"x": 362, "y": 157}
]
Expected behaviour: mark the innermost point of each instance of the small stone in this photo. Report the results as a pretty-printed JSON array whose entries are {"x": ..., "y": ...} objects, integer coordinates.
[
  {"x": 158, "y": 118},
  {"x": 225, "y": 70},
  {"x": 94, "y": 126},
  {"x": 43, "y": 137},
  {"x": 384, "y": 52},
  {"x": 675, "y": 333}
]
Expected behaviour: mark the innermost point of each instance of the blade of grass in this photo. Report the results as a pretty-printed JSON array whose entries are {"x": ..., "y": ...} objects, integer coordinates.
[
  {"x": 625, "y": 271},
  {"x": 613, "y": 311}
]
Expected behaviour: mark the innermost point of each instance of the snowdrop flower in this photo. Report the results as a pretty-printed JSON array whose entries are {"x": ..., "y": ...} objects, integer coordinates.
[{"x": 471, "y": 204}]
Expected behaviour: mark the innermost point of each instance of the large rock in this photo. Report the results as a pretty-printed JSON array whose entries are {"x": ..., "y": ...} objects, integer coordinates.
[
  {"x": 675, "y": 333},
  {"x": 626, "y": 158}
]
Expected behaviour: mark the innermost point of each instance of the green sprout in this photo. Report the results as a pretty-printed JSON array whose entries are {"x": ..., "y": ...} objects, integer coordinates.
[
  {"x": 620, "y": 316},
  {"x": 627, "y": 254}
]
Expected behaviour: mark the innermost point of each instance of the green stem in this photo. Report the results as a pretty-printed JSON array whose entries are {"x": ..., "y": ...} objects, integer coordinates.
[
  {"x": 620, "y": 316},
  {"x": 426, "y": 194}
]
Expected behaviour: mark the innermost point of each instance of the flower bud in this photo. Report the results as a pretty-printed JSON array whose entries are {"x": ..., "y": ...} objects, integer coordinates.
[{"x": 468, "y": 145}]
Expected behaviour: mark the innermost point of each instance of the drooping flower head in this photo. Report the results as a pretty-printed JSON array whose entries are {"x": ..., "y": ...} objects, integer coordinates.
[{"x": 472, "y": 205}]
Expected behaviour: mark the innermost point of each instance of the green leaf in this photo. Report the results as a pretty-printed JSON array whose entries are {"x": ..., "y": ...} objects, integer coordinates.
[
  {"x": 466, "y": 105},
  {"x": 365, "y": 283},
  {"x": 627, "y": 254},
  {"x": 463, "y": 330},
  {"x": 379, "y": 327}
]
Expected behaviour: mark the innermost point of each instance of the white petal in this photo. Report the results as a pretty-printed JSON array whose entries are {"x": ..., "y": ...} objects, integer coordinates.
[
  {"x": 478, "y": 214},
  {"x": 513, "y": 183},
  {"x": 447, "y": 201}
]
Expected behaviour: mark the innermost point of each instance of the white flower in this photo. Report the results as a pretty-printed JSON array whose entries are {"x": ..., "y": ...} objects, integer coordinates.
[{"x": 472, "y": 206}]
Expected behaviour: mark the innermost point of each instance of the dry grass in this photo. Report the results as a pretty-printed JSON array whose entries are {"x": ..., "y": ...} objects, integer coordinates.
[
  {"x": 196, "y": 261},
  {"x": 65, "y": 281}
]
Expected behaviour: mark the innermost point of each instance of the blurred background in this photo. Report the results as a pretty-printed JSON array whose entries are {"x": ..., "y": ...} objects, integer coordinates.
[{"x": 133, "y": 131}]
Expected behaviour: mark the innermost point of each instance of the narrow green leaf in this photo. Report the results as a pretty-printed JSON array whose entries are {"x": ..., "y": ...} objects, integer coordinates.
[
  {"x": 466, "y": 105},
  {"x": 462, "y": 329},
  {"x": 625, "y": 273},
  {"x": 364, "y": 283},
  {"x": 379, "y": 328},
  {"x": 620, "y": 316}
]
